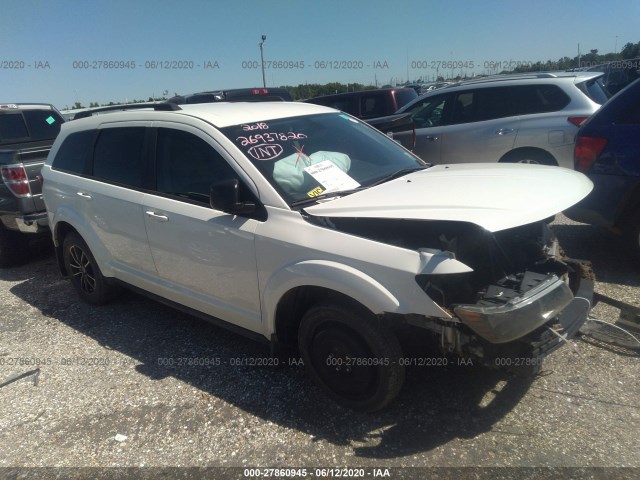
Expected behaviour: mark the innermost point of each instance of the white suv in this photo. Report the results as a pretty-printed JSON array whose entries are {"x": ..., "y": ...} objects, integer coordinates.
[
  {"x": 529, "y": 118},
  {"x": 307, "y": 228}
]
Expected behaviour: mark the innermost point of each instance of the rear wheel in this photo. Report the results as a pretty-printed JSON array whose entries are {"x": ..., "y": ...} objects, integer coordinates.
[
  {"x": 353, "y": 358},
  {"x": 529, "y": 155},
  {"x": 84, "y": 272}
]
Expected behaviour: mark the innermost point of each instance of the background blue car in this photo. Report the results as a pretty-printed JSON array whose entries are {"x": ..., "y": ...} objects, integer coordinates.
[{"x": 608, "y": 151}]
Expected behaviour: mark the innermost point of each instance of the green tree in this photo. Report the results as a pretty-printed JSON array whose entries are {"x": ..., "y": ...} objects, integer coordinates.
[{"x": 630, "y": 50}]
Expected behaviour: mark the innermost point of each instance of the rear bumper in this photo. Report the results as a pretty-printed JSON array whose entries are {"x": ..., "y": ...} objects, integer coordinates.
[
  {"x": 35, "y": 223},
  {"x": 606, "y": 201}
]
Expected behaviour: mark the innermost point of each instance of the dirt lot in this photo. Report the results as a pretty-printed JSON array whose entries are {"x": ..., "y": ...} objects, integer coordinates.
[{"x": 117, "y": 386}]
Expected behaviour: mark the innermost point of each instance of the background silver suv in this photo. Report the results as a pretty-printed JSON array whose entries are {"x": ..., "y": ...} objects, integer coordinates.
[{"x": 529, "y": 118}]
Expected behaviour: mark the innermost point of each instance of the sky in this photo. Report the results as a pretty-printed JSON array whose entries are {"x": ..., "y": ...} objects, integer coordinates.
[{"x": 67, "y": 51}]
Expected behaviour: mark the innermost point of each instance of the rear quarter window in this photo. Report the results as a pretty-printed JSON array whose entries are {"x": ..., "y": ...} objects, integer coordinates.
[
  {"x": 595, "y": 90},
  {"x": 529, "y": 99},
  {"x": 73, "y": 153}
]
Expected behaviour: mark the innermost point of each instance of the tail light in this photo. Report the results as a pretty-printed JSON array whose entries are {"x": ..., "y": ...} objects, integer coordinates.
[
  {"x": 15, "y": 177},
  {"x": 260, "y": 91},
  {"x": 587, "y": 150},
  {"x": 577, "y": 121}
]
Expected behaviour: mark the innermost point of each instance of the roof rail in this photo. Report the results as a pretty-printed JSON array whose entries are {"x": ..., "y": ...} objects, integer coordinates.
[{"x": 163, "y": 107}]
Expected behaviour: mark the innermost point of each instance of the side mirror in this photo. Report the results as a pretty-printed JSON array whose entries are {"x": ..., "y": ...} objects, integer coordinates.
[{"x": 225, "y": 196}]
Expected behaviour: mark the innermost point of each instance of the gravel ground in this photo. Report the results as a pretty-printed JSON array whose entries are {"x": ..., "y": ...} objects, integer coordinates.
[{"x": 96, "y": 387}]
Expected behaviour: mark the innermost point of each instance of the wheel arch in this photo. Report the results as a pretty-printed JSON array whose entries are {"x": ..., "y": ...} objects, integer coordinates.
[
  {"x": 292, "y": 290},
  {"x": 60, "y": 231},
  {"x": 68, "y": 220},
  {"x": 297, "y": 301},
  {"x": 523, "y": 153}
]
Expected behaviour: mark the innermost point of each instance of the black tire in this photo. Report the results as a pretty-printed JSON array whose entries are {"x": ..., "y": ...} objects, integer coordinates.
[
  {"x": 533, "y": 156},
  {"x": 353, "y": 358},
  {"x": 84, "y": 272},
  {"x": 14, "y": 247}
]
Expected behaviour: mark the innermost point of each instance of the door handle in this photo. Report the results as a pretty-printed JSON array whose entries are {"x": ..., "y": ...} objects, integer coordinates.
[
  {"x": 431, "y": 138},
  {"x": 161, "y": 218},
  {"x": 84, "y": 195},
  {"x": 504, "y": 131}
]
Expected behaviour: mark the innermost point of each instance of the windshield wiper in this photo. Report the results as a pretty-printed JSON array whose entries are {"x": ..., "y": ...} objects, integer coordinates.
[
  {"x": 400, "y": 173},
  {"x": 336, "y": 193}
]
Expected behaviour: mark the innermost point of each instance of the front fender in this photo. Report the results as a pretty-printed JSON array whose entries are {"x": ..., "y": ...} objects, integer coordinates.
[{"x": 327, "y": 274}]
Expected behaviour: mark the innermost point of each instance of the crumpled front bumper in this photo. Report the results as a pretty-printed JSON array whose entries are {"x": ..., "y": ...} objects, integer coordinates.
[{"x": 550, "y": 303}]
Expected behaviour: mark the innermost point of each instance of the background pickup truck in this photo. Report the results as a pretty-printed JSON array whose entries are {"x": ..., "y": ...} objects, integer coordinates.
[{"x": 27, "y": 132}]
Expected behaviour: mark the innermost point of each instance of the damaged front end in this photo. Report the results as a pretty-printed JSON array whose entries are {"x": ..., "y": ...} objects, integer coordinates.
[{"x": 522, "y": 297}]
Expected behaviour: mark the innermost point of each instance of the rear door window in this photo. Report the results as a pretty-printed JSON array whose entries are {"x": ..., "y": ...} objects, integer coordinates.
[
  {"x": 119, "y": 156},
  {"x": 481, "y": 104},
  {"x": 529, "y": 99},
  {"x": 73, "y": 153}
]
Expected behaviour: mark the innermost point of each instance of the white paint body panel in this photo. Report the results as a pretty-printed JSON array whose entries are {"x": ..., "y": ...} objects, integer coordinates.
[{"x": 494, "y": 196}]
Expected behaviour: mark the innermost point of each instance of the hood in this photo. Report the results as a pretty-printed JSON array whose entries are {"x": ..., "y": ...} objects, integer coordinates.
[{"x": 494, "y": 196}]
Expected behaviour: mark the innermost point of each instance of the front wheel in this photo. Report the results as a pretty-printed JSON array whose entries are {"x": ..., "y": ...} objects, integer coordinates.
[
  {"x": 85, "y": 274},
  {"x": 353, "y": 358}
]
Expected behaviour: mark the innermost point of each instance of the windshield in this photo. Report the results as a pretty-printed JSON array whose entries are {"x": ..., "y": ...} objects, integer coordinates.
[{"x": 308, "y": 156}]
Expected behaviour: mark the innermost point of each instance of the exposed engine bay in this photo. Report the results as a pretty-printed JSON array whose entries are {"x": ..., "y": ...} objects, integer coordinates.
[{"x": 520, "y": 285}]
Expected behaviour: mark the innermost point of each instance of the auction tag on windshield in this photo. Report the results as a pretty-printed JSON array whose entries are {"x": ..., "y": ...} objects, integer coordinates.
[{"x": 328, "y": 175}]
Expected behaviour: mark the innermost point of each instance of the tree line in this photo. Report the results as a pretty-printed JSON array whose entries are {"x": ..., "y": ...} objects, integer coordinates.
[{"x": 629, "y": 51}]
